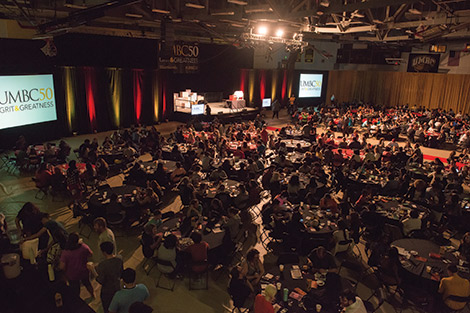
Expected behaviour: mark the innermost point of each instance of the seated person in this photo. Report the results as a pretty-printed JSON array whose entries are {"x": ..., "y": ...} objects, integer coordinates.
[
  {"x": 239, "y": 288},
  {"x": 167, "y": 252},
  {"x": 218, "y": 174},
  {"x": 321, "y": 260},
  {"x": 264, "y": 301},
  {"x": 388, "y": 267},
  {"x": 411, "y": 223},
  {"x": 351, "y": 303},
  {"x": 150, "y": 240},
  {"x": 43, "y": 177},
  {"x": 464, "y": 247},
  {"x": 241, "y": 200},
  {"x": 198, "y": 252},
  {"x": 342, "y": 238},
  {"x": 454, "y": 285},
  {"x": 253, "y": 269},
  {"x": 178, "y": 173},
  {"x": 328, "y": 203}
]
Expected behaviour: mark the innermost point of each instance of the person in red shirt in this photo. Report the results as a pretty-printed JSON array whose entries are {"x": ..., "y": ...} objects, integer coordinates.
[
  {"x": 239, "y": 153},
  {"x": 263, "y": 302},
  {"x": 198, "y": 251},
  {"x": 43, "y": 176},
  {"x": 264, "y": 135}
]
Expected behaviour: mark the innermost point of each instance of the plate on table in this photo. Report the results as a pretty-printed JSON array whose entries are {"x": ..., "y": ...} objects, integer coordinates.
[
  {"x": 413, "y": 253},
  {"x": 320, "y": 283}
]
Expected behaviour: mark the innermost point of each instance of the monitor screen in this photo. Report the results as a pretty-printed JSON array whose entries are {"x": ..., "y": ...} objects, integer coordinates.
[
  {"x": 197, "y": 109},
  {"x": 26, "y": 99},
  {"x": 310, "y": 85},
  {"x": 266, "y": 103}
]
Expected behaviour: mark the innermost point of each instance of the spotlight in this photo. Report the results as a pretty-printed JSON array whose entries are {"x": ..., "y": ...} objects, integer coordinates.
[
  {"x": 262, "y": 30},
  {"x": 279, "y": 33}
]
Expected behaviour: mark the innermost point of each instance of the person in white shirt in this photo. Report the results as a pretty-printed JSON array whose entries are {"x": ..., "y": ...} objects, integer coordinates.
[
  {"x": 393, "y": 144},
  {"x": 351, "y": 303},
  {"x": 411, "y": 223},
  {"x": 104, "y": 233}
]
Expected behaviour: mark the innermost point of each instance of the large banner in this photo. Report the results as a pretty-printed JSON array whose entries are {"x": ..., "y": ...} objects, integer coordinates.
[
  {"x": 182, "y": 57},
  {"x": 26, "y": 99},
  {"x": 310, "y": 85},
  {"x": 427, "y": 63}
]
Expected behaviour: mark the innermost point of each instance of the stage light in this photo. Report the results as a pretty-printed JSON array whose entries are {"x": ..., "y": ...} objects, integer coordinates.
[
  {"x": 262, "y": 30},
  {"x": 279, "y": 33}
]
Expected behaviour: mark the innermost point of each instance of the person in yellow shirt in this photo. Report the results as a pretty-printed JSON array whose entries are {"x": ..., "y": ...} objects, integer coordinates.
[{"x": 454, "y": 285}]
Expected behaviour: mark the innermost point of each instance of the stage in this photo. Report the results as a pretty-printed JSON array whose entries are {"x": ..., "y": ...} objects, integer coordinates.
[{"x": 217, "y": 109}]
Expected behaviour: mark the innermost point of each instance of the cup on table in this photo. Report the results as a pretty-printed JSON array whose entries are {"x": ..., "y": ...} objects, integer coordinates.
[
  {"x": 318, "y": 307},
  {"x": 278, "y": 286},
  {"x": 281, "y": 267},
  {"x": 428, "y": 269}
]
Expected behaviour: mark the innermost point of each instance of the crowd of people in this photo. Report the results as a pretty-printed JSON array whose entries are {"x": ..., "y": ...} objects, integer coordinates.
[{"x": 315, "y": 194}]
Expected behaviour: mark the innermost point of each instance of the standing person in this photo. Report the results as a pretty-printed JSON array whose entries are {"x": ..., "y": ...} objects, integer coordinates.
[
  {"x": 291, "y": 104},
  {"x": 276, "y": 107},
  {"x": 130, "y": 293},
  {"x": 73, "y": 262},
  {"x": 108, "y": 274},
  {"x": 104, "y": 233}
]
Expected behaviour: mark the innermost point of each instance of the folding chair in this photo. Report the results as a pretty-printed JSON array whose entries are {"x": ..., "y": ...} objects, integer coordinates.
[
  {"x": 194, "y": 276},
  {"x": 166, "y": 275}
]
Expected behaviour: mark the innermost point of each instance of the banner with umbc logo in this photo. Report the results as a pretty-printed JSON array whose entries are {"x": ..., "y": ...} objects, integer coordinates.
[
  {"x": 182, "y": 57},
  {"x": 423, "y": 63},
  {"x": 26, "y": 99}
]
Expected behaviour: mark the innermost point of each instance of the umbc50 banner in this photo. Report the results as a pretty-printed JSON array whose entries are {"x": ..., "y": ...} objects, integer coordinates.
[
  {"x": 182, "y": 57},
  {"x": 423, "y": 63},
  {"x": 26, "y": 99}
]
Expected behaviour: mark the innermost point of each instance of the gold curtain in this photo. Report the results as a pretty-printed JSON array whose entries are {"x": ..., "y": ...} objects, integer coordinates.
[
  {"x": 444, "y": 91},
  {"x": 115, "y": 93},
  {"x": 70, "y": 84}
]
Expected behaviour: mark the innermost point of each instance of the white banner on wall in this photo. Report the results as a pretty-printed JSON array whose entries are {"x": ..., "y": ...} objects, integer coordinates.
[{"x": 26, "y": 99}]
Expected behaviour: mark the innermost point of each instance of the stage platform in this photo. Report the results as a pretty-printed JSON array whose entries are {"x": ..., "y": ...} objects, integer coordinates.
[{"x": 217, "y": 109}]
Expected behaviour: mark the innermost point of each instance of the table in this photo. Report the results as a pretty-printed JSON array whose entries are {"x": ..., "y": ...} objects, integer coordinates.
[
  {"x": 230, "y": 186},
  {"x": 292, "y": 143},
  {"x": 394, "y": 211},
  {"x": 294, "y": 133},
  {"x": 80, "y": 166},
  {"x": 126, "y": 196},
  {"x": 418, "y": 267},
  {"x": 233, "y": 145},
  {"x": 318, "y": 295},
  {"x": 183, "y": 147},
  {"x": 151, "y": 166},
  {"x": 318, "y": 222},
  {"x": 238, "y": 104}
]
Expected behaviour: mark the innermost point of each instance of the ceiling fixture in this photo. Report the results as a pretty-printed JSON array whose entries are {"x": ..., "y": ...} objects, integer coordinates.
[
  {"x": 194, "y": 5},
  {"x": 222, "y": 13},
  {"x": 414, "y": 11},
  {"x": 279, "y": 33},
  {"x": 325, "y": 3},
  {"x": 133, "y": 15},
  {"x": 258, "y": 8},
  {"x": 75, "y": 6},
  {"x": 262, "y": 30},
  {"x": 357, "y": 14},
  {"x": 259, "y": 39},
  {"x": 239, "y": 2},
  {"x": 161, "y": 11}
]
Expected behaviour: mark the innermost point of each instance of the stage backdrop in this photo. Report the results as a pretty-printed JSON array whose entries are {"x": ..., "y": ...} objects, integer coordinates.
[{"x": 446, "y": 91}]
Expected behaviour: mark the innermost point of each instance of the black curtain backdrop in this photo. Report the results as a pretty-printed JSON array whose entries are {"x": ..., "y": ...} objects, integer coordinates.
[{"x": 219, "y": 70}]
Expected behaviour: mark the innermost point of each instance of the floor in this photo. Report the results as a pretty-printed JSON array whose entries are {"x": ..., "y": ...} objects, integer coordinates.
[{"x": 17, "y": 188}]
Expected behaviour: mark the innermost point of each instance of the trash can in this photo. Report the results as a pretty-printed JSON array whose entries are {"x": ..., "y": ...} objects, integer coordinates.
[{"x": 11, "y": 265}]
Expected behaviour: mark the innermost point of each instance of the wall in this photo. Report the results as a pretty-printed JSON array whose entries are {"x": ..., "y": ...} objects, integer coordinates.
[{"x": 279, "y": 54}]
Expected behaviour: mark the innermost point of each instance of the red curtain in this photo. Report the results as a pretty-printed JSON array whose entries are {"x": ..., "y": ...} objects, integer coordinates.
[
  {"x": 90, "y": 87},
  {"x": 284, "y": 86},
  {"x": 138, "y": 75},
  {"x": 262, "y": 83},
  {"x": 243, "y": 74}
]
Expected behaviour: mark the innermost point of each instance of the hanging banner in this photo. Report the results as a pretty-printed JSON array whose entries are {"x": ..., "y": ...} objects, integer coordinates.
[
  {"x": 182, "y": 57},
  {"x": 427, "y": 63}
]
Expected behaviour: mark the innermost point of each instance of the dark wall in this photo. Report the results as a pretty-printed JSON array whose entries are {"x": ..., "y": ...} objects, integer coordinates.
[{"x": 219, "y": 71}]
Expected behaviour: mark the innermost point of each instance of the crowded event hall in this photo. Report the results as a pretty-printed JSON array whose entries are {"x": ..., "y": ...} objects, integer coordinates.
[{"x": 235, "y": 156}]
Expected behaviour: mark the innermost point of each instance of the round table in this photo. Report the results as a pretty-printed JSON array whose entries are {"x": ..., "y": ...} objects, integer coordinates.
[
  {"x": 292, "y": 143},
  {"x": 418, "y": 267},
  {"x": 125, "y": 195},
  {"x": 151, "y": 166},
  {"x": 230, "y": 186}
]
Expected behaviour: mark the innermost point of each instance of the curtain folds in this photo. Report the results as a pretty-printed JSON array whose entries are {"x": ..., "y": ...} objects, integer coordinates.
[
  {"x": 444, "y": 91},
  {"x": 114, "y": 76}
]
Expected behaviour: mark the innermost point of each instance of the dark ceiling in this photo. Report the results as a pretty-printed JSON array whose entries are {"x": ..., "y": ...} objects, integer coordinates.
[{"x": 224, "y": 21}]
